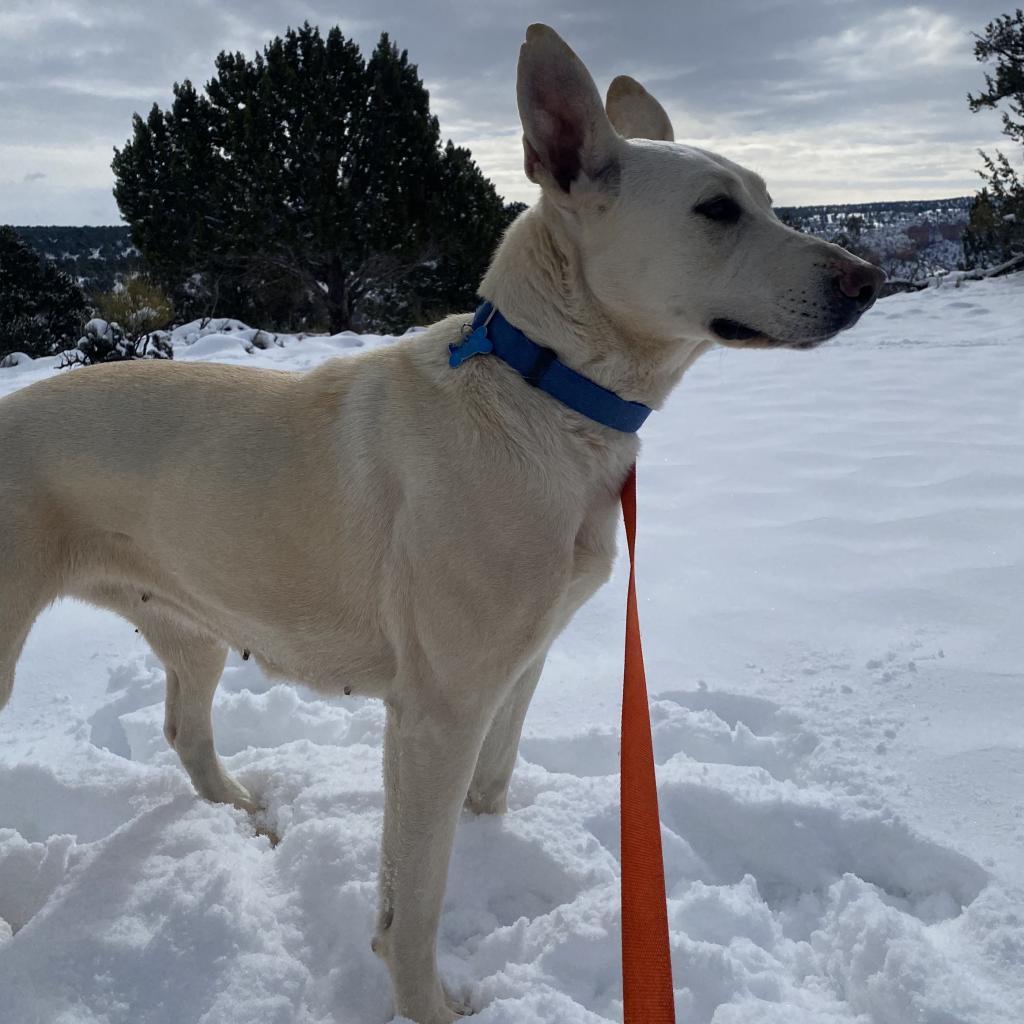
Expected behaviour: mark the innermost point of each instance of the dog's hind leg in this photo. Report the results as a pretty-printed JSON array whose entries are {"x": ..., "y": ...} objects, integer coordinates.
[
  {"x": 15, "y": 621},
  {"x": 194, "y": 664},
  {"x": 26, "y": 588},
  {"x": 488, "y": 792}
]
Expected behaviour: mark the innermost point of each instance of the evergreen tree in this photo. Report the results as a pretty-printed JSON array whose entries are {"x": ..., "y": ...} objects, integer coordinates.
[
  {"x": 467, "y": 220},
  {"x": 470, "y": 220},
  {"x": 168, "y": 187},
  {"x": 41, "y": 309},
  {"x": 996, "y": 229},
  {"x": 305, "y": 187}
]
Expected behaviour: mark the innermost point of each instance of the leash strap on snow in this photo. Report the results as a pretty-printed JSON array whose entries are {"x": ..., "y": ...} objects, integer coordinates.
[{"x": 646, "y": 962}]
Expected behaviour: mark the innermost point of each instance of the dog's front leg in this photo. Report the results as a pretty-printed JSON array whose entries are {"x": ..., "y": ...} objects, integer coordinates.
[
  {"x": 488, "y": 791},
  {"x": 429, "y": 754}
]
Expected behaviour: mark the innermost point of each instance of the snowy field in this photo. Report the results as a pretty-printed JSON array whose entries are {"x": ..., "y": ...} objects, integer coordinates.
[{"x": 831, "y": 577}]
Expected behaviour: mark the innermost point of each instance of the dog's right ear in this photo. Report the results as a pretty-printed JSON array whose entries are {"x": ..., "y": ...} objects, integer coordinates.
[
  {"x": 567, "y": 136},
  {"x": 635, "y": 113}
]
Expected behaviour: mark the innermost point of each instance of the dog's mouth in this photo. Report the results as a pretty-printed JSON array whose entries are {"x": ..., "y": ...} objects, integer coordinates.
[
  {"x": 738, "y": 335},
  {"x": 733, "y": 330}
]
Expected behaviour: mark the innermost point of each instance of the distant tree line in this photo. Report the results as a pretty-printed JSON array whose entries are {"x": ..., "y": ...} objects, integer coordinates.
[
  {"x": 879, "y": 213},
  {"x": 908, "y": 239},
  {"x": 41, "y": 309},
  {"x": 45, "y": 311},
  {"x": 98, "y": 258}
]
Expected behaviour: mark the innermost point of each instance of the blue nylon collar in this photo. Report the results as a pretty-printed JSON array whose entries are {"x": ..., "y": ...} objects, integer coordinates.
[{"x": 492, "y": 334}]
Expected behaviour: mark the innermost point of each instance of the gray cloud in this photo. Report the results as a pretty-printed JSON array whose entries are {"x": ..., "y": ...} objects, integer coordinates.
[{"x": 830, "y": 99}]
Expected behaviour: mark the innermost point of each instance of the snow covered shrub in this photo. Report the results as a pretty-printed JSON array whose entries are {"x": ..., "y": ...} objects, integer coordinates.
[
  {"x": 138, "y": 307},
  {"x": 107, "y": 343}
]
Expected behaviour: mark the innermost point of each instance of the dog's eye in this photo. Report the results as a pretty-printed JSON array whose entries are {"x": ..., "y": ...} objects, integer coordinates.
[{"x": 721, "y": 208}]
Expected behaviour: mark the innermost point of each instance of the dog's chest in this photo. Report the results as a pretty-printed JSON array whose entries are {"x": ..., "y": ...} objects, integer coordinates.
[{"x": 593, "y": 555}]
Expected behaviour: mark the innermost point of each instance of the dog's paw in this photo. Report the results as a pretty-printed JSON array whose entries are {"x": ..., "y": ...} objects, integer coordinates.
[
  {"x": 237, "y": 795},
  {"x": 261, "y": 828},
  {"x": 448, "y": 1014},
  {"x": 458, "y": 1007},
  {"x": 443, "y": 1008},
  {"x": 481, "y": 802}
]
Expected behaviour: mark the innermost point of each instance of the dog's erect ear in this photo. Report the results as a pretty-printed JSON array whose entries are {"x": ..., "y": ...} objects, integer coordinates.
[
  {"x": 635, "y": 113},
  {"x": 566, "y": 132}
]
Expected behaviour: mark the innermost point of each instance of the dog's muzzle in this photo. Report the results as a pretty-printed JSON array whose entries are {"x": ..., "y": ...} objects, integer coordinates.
[{"x": 850, "y": 291}]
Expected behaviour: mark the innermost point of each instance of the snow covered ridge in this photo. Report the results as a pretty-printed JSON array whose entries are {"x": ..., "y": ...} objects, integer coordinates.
[
  {"x": 204, "y": 339},
  {"x": 222, "y": 339},
  {"x": 831, "y": 573}
]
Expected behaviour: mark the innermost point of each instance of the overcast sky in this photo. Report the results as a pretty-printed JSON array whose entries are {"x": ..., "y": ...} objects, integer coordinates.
[{"x": 831, "y": 100}]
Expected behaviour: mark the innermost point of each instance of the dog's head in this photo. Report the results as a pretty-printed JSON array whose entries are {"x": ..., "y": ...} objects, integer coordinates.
[{"x": 672, "y": 238}]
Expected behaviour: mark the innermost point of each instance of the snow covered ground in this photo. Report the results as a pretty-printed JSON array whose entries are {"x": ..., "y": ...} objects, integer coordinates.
[{"x": 831, "y": 576}]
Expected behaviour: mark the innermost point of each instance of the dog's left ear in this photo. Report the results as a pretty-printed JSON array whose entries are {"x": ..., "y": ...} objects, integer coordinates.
[
  {"x": 635, "y": 113},
  {"x": 567, "y": 137}
]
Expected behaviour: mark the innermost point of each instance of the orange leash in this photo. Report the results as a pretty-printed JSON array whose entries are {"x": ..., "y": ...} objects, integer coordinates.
[{"x": 646, "y": 962}]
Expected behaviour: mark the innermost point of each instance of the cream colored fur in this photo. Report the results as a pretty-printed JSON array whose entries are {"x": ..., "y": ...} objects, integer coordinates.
[{"x": 386, "y": 525}]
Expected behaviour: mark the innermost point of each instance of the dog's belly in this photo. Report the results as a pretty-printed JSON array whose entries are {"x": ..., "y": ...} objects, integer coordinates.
[
  {"x": 297, "y": 625},
  {"x": 337, "y": 662},
  {"x": 357, "y": 673}
]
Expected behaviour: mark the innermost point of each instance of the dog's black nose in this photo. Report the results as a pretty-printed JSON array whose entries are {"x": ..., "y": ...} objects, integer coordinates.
[{"x": 860, "y": 282}]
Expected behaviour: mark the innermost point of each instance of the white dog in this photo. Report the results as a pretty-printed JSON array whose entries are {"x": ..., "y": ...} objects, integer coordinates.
[{"x": 428, "y": 522}]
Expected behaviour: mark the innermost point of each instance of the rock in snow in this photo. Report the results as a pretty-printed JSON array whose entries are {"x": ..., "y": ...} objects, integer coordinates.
[{"x": 831, "y": 573}]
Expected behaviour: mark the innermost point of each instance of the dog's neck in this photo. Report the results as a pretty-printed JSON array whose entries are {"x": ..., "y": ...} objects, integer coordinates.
[{"x": 536, "y": 279}]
